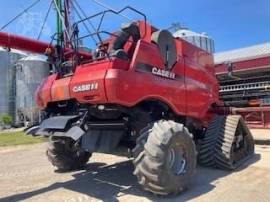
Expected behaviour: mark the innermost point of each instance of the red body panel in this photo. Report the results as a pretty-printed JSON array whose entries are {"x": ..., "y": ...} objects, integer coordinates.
[
  {"x": 43, "y": 93},
  {"x": 130, "y": 88},
  {"x": 190, "y": 93},
  {"x": 60, "y": 89},
  {"x": 201, "y": 84},
  {"x": 84, "y": 77}
]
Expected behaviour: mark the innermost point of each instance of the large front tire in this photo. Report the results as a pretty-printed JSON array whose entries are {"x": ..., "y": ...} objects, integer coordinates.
[
  {"x": 63, "y": 154},
  {"x": 165, "y": 158}
]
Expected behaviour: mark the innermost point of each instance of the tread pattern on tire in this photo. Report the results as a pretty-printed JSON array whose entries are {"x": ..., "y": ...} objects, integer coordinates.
[
  {"x": 149, "y": 155},
  {"x": 62, "y": 154},
  {"x": 216, "y": 148}
]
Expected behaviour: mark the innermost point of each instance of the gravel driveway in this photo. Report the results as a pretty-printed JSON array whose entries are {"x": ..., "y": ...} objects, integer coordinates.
[{"x": 25, "y": 174}]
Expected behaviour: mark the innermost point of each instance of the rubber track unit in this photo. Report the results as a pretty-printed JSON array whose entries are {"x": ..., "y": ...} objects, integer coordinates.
[
  {"x": 62, "y": 153},
  {"x": 151, "y": 154},
  {"x": 218, "y": 148}
]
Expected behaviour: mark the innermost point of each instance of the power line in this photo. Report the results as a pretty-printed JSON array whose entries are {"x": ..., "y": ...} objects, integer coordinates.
[
  {"x": 78, "y": 13},
  {"x": 19, "y": 15},
  {"x": 84, "y": 14},
  {"x": 45, "y": 20},
  {"x": 110, "y": 8}
]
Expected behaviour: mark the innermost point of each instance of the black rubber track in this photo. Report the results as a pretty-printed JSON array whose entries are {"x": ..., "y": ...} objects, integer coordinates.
[
  {"x": 218, "y": 148},
  {"x": 151, "y": 162},
  {"x": 62, "y": 153}
]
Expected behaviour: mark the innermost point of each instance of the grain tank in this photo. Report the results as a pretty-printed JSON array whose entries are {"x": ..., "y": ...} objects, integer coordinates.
[
  {"x": 30, "y": 71},
  {"x": 200, "y": 40},
  {"x": 7, "y": 80}
]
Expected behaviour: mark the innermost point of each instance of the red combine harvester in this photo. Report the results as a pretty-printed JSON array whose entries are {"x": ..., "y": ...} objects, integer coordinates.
[{"x": 142, "y": 90}]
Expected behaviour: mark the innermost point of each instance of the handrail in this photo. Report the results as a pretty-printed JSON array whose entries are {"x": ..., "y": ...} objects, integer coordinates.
[{"x": 103, "y": 14}]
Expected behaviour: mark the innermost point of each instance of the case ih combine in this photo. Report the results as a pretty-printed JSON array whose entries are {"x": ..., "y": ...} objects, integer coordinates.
[{"x": 143, "y": 90}]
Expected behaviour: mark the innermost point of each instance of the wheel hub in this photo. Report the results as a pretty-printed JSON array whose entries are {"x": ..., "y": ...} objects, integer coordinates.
[
  {"x": 239, "y": 139},
  {"x": 177, "y": 160}
]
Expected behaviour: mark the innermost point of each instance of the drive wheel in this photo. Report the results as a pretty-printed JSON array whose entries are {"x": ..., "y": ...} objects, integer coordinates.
[
  {"x": 165, "y": 158},
  {"x": 65, "y": 155}
]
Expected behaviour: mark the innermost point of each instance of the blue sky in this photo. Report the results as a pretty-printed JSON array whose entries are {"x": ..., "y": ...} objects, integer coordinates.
[{"x": 231, "y": 23}]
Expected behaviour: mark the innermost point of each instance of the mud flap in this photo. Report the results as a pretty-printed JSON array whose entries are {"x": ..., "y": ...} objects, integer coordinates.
[{"x": 104, "y": 141}]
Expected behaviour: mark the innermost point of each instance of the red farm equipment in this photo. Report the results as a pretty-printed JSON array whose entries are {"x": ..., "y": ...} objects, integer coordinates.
[
  {"x": 246, "y": 87},
  {"x": 143, "y": 90}
]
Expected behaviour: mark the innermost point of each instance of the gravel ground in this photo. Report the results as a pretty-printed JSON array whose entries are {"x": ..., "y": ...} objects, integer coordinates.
[{"x": 26, "y": 175}]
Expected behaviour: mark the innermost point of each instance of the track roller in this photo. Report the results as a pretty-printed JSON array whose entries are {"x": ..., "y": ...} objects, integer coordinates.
[{"x": 227, "y": 143}]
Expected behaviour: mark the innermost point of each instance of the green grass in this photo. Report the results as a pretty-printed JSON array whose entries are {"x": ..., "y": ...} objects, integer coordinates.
[{"x": 18, "y": 138}]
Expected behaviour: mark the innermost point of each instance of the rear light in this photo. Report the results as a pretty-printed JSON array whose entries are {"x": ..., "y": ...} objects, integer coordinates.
[{"x": 255, "y": 103}]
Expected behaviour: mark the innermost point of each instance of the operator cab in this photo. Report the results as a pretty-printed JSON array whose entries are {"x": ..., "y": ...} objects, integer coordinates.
[{"x": 122, "y": 44}]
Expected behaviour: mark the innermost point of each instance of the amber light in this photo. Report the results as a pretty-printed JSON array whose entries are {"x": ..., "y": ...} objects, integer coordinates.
[{"x": 255, "y": 103}]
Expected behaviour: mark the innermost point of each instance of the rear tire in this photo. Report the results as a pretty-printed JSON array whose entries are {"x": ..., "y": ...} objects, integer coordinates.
[
  {"x": 165, "y": 158},
  {"x": 63, "y": 154}
]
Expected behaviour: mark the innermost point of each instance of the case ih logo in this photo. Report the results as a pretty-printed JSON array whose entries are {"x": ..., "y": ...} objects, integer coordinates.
[
  {"x": 85, "y": 87},
  {"x": 142, "y": 67},
  {"x": 163, "y": 73}
]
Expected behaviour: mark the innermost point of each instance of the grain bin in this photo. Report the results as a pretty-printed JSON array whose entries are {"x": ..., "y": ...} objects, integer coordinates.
[
  {"x": 30, "y": 71},
  {"x": 7, "y": 80}
]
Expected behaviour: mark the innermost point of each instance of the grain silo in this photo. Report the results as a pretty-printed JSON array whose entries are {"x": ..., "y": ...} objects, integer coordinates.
[
  {"x": 30, "y": 71},
  {"x": 7, "y": 80}
]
